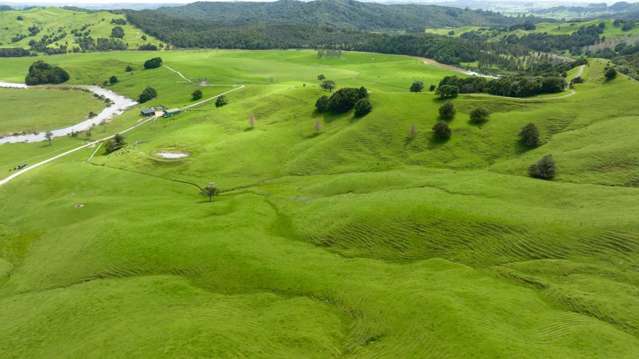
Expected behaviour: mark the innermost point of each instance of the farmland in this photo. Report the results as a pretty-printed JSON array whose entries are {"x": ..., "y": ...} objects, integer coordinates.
[{"x": 333, "y": 236}]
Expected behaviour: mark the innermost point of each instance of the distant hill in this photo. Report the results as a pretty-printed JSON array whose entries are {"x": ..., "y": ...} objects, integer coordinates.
[
  {"x": 344, "y": 14},
  {"x": 622, "y": 10},
  {"x": 60, "y": 30}
]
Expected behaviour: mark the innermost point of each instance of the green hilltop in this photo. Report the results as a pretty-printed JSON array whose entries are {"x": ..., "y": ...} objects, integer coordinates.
[{"x": 333, "y": 236}]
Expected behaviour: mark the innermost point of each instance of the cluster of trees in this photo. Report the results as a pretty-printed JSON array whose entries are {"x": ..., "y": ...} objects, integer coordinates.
[
  {"x": 42, "y": 73},
  {"x": 153, "y": 63},
  {"x": 117, "y": 32},
  {"x": 344, "y": 100},
  {"x": 147, "y": 47},
  {"x": 511, "y": 86},
  {"x": 14, "y": 52},
  {"x": 584, "y": 36},
  {"x": 114, "y": 144},
  {"x": 121, "y": 22}
]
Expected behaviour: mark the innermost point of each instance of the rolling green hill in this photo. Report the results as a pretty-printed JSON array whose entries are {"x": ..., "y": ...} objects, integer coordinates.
[
  {"x": 65, "y": 27},
  {"x": 350, "y": 239}
]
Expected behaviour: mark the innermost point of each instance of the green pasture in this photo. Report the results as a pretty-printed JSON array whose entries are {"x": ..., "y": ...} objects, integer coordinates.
[{"x": 354, "y": 241}]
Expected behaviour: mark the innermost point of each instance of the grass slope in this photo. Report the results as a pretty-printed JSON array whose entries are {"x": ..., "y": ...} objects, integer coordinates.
[
  {"x": 53, "y": 21},
  {"x": 39, "y": 109},
  {"x": 355, "y": 242}
]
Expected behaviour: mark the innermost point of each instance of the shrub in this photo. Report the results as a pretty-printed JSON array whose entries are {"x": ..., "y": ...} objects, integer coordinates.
[
  {"x": 128, "y": 68},
  {"x": 441, "y": 131},
  {"x": 322, "y": 104},
  {"x": 42, "y": 73},
  {"x": 147, "y": 47},
  {"x": 529, "y": 136},
  {"x": 447, "y": 92},
  {"x": 363, "y": 107},
  {"x": 432, "y": 88},
  {"x": 543, "y": 169},
  {"x": 321, "y": 77},
  {"x": 147, "y": 94},
  {"x": 113, "y": 80},
  {"x": 153, "y": 63},
  {"x": 611, "y": 74},
  {"x": 447, "y": 111},
  {"x": 221, "y": 101},
  {"x": 417, "y": 86},
  {"x": 479, "y": 116},
  {"x": 196, "y": 95}
]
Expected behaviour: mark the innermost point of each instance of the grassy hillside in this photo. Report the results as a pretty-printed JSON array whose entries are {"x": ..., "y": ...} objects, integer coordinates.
[
  {"x": 354, "y": 241},
  {"x": 36, "y": 110},
  {"x": 58, "y": 24}
]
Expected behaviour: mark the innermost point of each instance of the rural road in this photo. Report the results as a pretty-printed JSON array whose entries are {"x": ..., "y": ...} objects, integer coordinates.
[
  {"x": 86, "y": 145},
  {"x": 178, "y": 72}
]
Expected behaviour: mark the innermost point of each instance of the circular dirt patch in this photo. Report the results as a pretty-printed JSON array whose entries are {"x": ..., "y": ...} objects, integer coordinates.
[{"x": 172, "y": 155}]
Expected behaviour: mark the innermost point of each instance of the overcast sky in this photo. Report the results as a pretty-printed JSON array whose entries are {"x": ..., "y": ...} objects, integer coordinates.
[{"x": 79, "y": 2}]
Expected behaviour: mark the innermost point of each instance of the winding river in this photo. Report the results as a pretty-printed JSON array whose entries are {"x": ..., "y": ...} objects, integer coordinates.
[{"x": 119, "y": 104}]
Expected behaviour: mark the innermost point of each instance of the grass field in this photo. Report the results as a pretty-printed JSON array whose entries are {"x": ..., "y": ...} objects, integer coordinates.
[
  {"x": 354, "y": 242},
  {"x": 36, "y": 110},
  {"x": 54, "y": 21}
]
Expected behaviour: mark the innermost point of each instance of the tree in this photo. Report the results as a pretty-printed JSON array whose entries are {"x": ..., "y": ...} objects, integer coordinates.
[
  {"x": 128, "y": 68},
  {"x": 417, "y": 86},
  {"x": 479, "y": 116},
  {"x": 611, "y": 74},
  {"x": 344, "y": 99},
  {"x": 447, "y": 92},
  {"x": 147, "y": 94},
  {"x": 447, "y": 111},
  {"x": 363, "y": 107},
  {"x": 441, "y": 131},
  {"x": 543, "y": 169},
  {"x": 328, "y": 85},
  {"x": 115, "y": 143},
  {"x": 432, "y": 88},
  {"x": 196, "y": 95},
  {"x": 42, "y": 73},
  {"x": 117, "y": 32},
  {"x": 113, "y": 80},
  {"x": 49, "y": 137},
  {"x": 321, "y": 77},
  {"x": 221, "y": 101},
  {"x": 210, "y": 191},
  {"x": 529, "y": 136},
  {"x": 153, "y": 63},
  {"x": 321, "y": 105}
]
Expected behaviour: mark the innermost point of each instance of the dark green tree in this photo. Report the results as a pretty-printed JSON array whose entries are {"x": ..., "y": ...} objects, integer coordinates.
[
  {"x": 447, "y": 111},
  {"x": 321, "y": 77},
  {"x": 113, "y": 80},
  {"x": 479, "y": 116},
  {"x": 611, "y": 74},
  {"x": 328, "y": 85},
  {"x": 147, "y": 94},
  {"x": 42, "y": 73},
  {"x": 220, "y": 101},
  {"x": 447, "y": 92},
  {"x": 196, "y": 95},
  {"x": 363, "y": 107},
  {"x": 321, "y": 105},
  {"x": 529, "y": 136},
  {"x": 210, "y": 191},
  {"x": 115, "y": 143},
  {"x": 417, "y": 86},
  {"x": 543, "y": 169},
  {"x": 128, "y": 68},
  {"x": 117, "y": 32},
  {"x": 441, "y": 131},
  {"x": 153, "y": 63}
]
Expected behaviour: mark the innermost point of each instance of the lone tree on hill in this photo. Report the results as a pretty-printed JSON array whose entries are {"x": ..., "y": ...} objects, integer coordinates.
[
  {"x": 49, "y": 137},
  {"x": 363, "y": 107},
  {"x": 210, "y": 191},
  {"x": 196, "y": 95},
  {"x": 529, "y": 136},
  {"x": 321, "y": 105},
  {"x": 442, "y": 131},
  {"x": 611, "y": 74},
  {"x": 117, "y": 32},
  {"x": 479, "y": 116},
  {"x": 328, "y": 85},
  {"x": 543, "y": 169},
  {"x": 113, "y": 80},
  {"x": 221, "y": 101},
  {"x": 153, "y": 63},
  {"x": 447, "y": 111},
  {"x": 447, "y": 92},
  {"x": 114, "y": 144},
  {"x": 147, "y": 94},
  {"x": 417, "y": 86}
]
